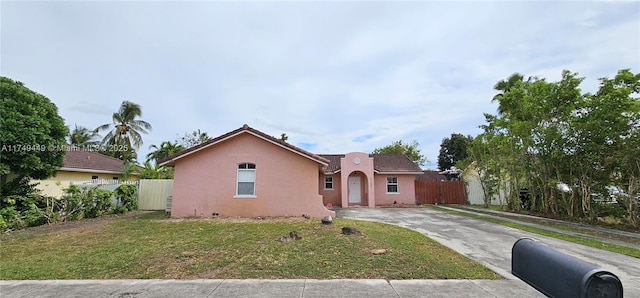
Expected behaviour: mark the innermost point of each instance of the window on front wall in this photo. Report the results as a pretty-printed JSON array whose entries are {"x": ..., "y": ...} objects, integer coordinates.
[
  {"x": 328, "y": 182},
  {"x": 94, "y": 177},
  {"x": 246, "y": 179},
  {"x": 392, "y": 184}
]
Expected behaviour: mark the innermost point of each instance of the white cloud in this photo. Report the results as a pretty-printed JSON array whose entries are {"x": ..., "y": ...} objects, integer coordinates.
[{"x": 325, "y": 73}]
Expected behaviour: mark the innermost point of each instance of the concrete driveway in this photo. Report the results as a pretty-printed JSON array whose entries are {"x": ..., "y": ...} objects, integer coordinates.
[{"x": 490, "y": 244}]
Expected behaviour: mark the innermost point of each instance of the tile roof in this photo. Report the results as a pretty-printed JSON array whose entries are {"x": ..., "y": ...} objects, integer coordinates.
[
  {"x": 430, "y": 175},
  {"x": 386, "y": 163},
  {"x": 394, "y": 163},
  {"x": 244, "y": 129},
  {"x": 78, "y": 159},
  {"x": 334, "y": 162}
]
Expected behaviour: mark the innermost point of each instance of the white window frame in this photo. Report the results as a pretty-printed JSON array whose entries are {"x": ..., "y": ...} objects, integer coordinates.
[
  {"x": 248, "y": 168},
  {"x": 325, "y": 182},
  {"x": 391, "y": 183}
]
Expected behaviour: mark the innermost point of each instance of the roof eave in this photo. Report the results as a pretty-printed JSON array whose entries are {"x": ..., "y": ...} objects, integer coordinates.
[
  {"x": 170, "y": 162},
  {"x": 89, "y": 170},
  {"x": 396, "y": 173}
]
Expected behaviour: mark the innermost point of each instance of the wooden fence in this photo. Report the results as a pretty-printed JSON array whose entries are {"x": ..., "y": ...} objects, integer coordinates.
[{"x": 440, "y": 192}]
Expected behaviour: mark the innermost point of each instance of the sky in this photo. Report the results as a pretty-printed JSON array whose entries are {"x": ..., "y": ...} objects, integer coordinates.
[{"x": 336, "y": 77}]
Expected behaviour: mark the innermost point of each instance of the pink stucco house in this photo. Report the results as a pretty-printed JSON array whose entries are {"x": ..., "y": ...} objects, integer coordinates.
[
  {"x": 248, "y": 173},
  {"x": 361, "y": 179}
]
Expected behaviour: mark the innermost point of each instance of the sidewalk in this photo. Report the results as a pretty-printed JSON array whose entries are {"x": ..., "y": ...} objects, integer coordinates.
[
  {"x": 369, "y": 288},
  {"x": 544, "y": 225}
]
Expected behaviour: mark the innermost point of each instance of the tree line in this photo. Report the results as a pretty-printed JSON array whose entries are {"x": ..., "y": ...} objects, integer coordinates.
[{"x": 570, "y": 150}]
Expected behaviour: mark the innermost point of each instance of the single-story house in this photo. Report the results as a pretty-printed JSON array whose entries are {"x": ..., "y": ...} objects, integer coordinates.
[
  {"x": 371, "y": 179},
  {"x": 246, "y": 172},
  {"x": 82, "y": 165}
]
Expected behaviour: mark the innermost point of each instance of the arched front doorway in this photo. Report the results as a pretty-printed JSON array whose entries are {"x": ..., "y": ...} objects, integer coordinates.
[{"x": 357, "y": 188}]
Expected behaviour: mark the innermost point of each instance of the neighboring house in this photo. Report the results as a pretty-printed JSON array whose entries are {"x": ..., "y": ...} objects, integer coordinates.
[
  {"x": 473, "y": 187},
  {"x": 431, "y": 175},
  {"x": 82, "y": 165},
  {"x": 246, "y": 172},
  {"x": 371, "y": 179}
]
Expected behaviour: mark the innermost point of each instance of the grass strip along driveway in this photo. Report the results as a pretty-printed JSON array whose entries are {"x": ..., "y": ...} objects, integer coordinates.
[
  {"x": 151, "y": 246},
  {"x": 629, "y": 251}
]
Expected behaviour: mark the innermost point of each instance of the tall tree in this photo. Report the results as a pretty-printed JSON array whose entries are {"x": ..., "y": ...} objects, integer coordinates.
[
  {"x": 32, "y": 138},
  {"x": 452, "y": 150},
  {"x": 83, "y": 137},
  {"x": 165, "y": 150},
  {"x": 123, "y": 138},
  {"x": 411, "y": 150},
  {"x": 193, "y": 139},
  {"x": 550, "y": 133}
]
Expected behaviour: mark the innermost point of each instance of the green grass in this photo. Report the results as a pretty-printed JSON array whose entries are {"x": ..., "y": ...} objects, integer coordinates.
[
  {"x": 151, "y": 246},
  {"x": 571, "y": 228},
  {"x": 629, "y": 251}
]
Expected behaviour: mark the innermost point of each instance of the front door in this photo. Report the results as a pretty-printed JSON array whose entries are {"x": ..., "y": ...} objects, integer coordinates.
[{"x": 354, "y": 190}]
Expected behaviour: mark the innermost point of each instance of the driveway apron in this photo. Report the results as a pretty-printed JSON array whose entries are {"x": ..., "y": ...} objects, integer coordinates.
[{"x": 490, "y": 244}]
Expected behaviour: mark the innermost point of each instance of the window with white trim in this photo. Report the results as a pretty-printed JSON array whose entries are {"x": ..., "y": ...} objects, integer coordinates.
[
  {"x": 392, "y": 184},
  {"x": 328, "y": 182},
  {"x": 246, "y": 185}
]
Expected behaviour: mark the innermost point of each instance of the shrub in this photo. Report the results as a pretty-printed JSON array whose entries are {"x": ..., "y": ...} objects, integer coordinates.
[
  {"x": 35, "y": 216},
  {"x": 119, "y": 209},
  {"x": 98, "y": 202},
  {"x": 71, "y": 205},
  {"x": 11, "y": 219},
  {"x": 126, "y": 195}
]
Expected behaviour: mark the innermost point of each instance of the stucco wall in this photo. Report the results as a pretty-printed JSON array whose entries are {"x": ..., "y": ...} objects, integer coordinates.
[
  {"x": 331, "y": 196},
  {"x": 475, "y": 193},
  {"x": 54, "y": 186},
  {"x": 364, "y": 166},
  {"x": 406, "y": 190},
  {"x": 286, "y": 183}
]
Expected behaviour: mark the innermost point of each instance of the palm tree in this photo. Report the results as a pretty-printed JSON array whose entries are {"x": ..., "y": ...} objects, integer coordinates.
[
  {"x": 166, "y": 149},
  {"x": 125, "y": 130},
  {"x": 83, "y": 137}
]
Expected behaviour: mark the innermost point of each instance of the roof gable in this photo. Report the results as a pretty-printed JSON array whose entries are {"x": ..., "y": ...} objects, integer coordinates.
[{"x": 242, "y": 130}]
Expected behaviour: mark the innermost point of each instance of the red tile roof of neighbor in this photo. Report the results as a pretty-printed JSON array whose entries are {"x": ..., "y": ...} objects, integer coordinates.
[
  {"x": 244, "y": 129},
  {"x": 78, "y": 159},
  {"x": 384, "y": 163}
]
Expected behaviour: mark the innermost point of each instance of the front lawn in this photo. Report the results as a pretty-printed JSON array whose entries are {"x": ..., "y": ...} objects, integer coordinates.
[{"x": 152, "y": 246}]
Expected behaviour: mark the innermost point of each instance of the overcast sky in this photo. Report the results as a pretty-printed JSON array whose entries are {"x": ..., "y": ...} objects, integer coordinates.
[{"x": 336, "y": 77}]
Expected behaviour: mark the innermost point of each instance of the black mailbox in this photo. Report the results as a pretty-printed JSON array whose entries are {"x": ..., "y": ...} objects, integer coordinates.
[{"x": 558, "y": 275}]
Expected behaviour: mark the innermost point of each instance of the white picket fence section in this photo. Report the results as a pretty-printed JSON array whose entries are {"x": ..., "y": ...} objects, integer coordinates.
[
  {"x": 153, "y": 194},
  {"x": 107, "y": 184}
]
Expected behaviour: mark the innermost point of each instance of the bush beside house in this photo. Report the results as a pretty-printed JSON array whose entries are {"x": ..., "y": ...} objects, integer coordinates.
[{"x": 77, "y": 202}]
